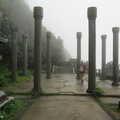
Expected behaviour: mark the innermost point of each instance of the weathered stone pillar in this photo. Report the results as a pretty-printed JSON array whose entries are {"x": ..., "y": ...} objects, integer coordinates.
[
  {"x": 38, "y": 15},
  {"x": 25, "y": 36},
  {"x": 48, "y": 35},
  {"x": 79, "y": 35},
  {"x": 103, "y": 56},
  {"x": 115, "y": 55},
  {"x": 0, "y": 20},
  {"x": 14, "y": 54},
  {"x": 92, "y": 14}
]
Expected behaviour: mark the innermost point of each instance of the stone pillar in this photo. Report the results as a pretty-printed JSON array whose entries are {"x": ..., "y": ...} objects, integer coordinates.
[
  {"x": 25, "y": 36},
  {"x": 115, "y": 55},
  {"x": 103, "y": 56},
  {"x": 79, "y": 35},
  {"x": 48, "y": 35},
  {"x": 38, "y": 15},
  {"x": 0, "y": 20},
  {"x": 92, "y": 14},
  {"x": 14, "y": 54}
]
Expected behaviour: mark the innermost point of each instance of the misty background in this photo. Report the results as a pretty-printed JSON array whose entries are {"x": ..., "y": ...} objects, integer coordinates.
[{"x": 66, "y": 17}]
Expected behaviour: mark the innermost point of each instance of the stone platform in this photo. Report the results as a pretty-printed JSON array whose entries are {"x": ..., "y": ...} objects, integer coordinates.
[{"x": 66, "y": 84}]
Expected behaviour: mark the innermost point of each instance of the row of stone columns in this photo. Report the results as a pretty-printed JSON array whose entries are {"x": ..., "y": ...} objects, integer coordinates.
[
  {"x": 92, "y": 14},
  {"x": 115, "y": 31},
  {"x": 14, "y": 54},
  {"x": 38, "y": 15},
  {"x": 14, "y": 51}
]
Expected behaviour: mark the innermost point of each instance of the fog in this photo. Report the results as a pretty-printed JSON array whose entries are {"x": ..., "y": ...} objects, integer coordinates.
[{"x": 66, "y": 17}]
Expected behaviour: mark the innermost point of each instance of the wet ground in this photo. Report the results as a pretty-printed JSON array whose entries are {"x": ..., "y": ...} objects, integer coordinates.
[
  {"x": 67, "y": 84},
  {"x": 65, "y": 108},
  {"x": 66, "y": 105}
]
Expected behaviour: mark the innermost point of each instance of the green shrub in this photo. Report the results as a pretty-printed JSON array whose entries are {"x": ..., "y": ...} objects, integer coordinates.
[
  {"x": 9, "y": 90},
  {"x": 11, "y": 109},
  {"x": 19, "y": 73},
  {"x": 98, "y": 92},
  {"x": 30, "y": 72},
  {"x": 4, "y": 76},
  {"x": 110, "y": 76},
  {"x": 20, "y": 77},
  {"x": 3, "y": 80},
  {"x": 3, "y": 69}
]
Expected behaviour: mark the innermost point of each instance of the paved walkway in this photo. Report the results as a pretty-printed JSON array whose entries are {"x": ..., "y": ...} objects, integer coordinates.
[
  {"x": 67, "y": 107},
  {"x": 66, "y": 84}
]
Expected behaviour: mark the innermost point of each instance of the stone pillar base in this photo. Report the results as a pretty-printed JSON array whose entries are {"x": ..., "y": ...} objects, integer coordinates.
[
  {"x": 47, "y": 77},
  {"x": 77, "y": 78},
  {"x": 89, "y": 91},
  {"x": 115, "y": 84}
]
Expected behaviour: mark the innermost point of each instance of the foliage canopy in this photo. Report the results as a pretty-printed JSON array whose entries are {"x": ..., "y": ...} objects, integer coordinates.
[{"x": 17, "y": 12}]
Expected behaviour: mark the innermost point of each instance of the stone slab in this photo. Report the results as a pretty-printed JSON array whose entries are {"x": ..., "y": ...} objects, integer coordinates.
[
  {"x": 110, "y": 100},
  {"x": 65, "y": 108}
]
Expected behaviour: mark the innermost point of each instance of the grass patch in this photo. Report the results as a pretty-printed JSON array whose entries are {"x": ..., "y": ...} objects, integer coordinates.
[
  {"x": 112, "y": 110},
  {"x": 110, "y": 76},
  {"x": 21, "y": 77},
  {"x": 98, "y": 92},
  {"x": 5, "y": 78},
  {"x": 12, "y": 108},
  {"x": 10, "y": 90}
]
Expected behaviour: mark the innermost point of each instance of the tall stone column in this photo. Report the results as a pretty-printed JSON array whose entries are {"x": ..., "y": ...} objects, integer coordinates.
[
  {"x": 103, "y": 56},
  {"x": 115, "y": 55},
  {"x": 48, "y": 35},
  {"x": 92, "y": 14},
  {"x": 38, "y": 15},
  {"x": 25, "y": 36},
  {"x": 0, "y": 20},
  {"x": 14, "y": 54},
  {"x": 79, "y": 35}
]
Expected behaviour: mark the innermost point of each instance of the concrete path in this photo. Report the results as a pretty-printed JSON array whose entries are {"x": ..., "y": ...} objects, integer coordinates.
[
  {"x": 66, "y": 84},
  {"x": 65, "y": 108}
]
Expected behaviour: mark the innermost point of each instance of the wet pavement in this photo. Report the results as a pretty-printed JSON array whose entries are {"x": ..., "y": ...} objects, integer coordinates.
[
  {"x": 66, "y": 84},
  {"x": 66, "y": 105},
  {"x": 65, "y": 108}
]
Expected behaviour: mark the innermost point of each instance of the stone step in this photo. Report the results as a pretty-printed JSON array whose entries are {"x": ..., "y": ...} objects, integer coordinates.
[
  {"x": 4, "y": 99},
  {"x": 65, "y": 69}
]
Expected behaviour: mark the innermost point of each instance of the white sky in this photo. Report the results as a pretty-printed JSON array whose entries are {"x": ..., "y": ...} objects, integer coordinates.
[{"x": 66, "y": 17}]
